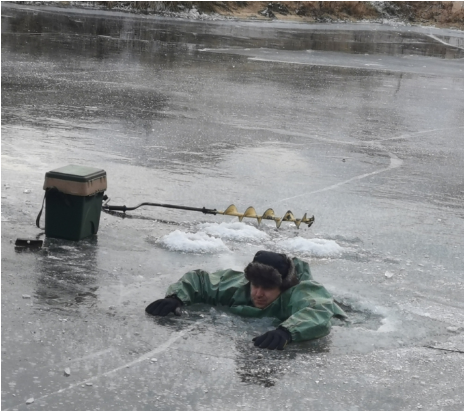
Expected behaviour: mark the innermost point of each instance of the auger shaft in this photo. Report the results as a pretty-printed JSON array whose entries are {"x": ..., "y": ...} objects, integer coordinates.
[
  {"x": 250, "y": 212},
  {"x": 124, "y": 208}
]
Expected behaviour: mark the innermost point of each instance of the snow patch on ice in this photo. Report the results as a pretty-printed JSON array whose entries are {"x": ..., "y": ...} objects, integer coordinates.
[
  {"x": 234, "y": 231},
  {"x": 389, "y": 324},
  {"x": 194, "y": 243},
  {"x": 315, "y": 246}
]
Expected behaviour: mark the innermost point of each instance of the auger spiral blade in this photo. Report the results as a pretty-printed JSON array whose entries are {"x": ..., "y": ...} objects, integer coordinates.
[{"x": 269, "y": 214}]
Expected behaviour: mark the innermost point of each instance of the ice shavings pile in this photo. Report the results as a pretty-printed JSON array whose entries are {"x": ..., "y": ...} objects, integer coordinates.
[
  {"x": 224, "y": 237},
  {"x": 195, "y": 243},
  {"x": 234, "y": 231},
  {"x": 315, "y": 247}
]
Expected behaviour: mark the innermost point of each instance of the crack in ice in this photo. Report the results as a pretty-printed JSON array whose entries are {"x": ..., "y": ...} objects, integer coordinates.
[{"x": 174, "y": 337}]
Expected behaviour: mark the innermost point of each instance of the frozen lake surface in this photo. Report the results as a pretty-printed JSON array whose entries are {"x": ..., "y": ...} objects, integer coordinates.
[{"x": 360, "y": 125}]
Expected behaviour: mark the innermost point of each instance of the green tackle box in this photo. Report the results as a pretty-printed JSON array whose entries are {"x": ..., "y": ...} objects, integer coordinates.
[{"x": 73, "y": 201}]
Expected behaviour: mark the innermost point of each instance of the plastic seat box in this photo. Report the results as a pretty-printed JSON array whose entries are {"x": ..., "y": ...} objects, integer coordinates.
[{"x": 73, "y": 201}]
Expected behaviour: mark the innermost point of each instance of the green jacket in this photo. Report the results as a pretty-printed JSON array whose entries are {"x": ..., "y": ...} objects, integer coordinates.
[{"x": 305, "y": 309}]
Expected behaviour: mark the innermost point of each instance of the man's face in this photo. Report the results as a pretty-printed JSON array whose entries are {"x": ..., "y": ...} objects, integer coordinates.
[{"x": 262, "y": 297}]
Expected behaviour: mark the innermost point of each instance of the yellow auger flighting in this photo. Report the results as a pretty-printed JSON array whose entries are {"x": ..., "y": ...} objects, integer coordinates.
[
  {"x": 231, "y": 210},
  {"x": 269, "y": 214}
]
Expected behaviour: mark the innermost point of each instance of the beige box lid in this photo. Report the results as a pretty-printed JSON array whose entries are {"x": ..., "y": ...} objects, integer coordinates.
[{"x": 77, "y": 180}]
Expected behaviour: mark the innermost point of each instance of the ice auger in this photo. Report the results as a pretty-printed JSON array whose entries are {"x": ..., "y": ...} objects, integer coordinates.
[{"x": 231, "y": 210}]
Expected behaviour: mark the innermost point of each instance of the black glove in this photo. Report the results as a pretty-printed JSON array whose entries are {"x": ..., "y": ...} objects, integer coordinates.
[
  {"x": 164, "y": 306},
  {"x": 273, "y": 340}
]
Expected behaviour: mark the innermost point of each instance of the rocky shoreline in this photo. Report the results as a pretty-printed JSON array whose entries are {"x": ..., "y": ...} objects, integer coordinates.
[{"x": 438, "y": 14}]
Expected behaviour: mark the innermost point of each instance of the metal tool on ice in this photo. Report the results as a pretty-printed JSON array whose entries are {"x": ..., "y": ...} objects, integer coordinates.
[{"x": 231, "y": 210}]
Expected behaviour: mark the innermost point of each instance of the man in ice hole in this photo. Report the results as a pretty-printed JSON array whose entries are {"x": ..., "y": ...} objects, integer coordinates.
[{"x": 272, "y": 285}]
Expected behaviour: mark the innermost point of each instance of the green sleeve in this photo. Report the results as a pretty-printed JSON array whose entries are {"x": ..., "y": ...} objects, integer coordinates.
[
  {"x": 311, "y": 308},
  {"x": 309, "y": 323},
  {"x": 199, "y": 286},
  {"x": 303, "y": 271}
]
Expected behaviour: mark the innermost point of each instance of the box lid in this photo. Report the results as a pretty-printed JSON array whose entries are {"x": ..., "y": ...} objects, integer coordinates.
[{"x": 76, "y": 173}]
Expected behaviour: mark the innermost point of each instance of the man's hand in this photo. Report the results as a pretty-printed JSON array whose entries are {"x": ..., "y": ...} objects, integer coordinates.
[
  {"x": 273, "y": 340},
  {"x": 165, "y": 306}
]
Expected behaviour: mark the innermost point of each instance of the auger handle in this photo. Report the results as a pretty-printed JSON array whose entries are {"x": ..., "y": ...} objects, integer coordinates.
[
  {"x": 124, "y": 208},
  {"x": 114, "y": 207}
]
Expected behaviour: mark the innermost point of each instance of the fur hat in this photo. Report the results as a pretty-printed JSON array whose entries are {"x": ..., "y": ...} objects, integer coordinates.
[{"x": 269, "y": 269}]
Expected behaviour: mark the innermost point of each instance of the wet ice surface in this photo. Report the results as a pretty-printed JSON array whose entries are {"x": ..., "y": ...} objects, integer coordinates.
[{"x": 358, "y": 133}]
